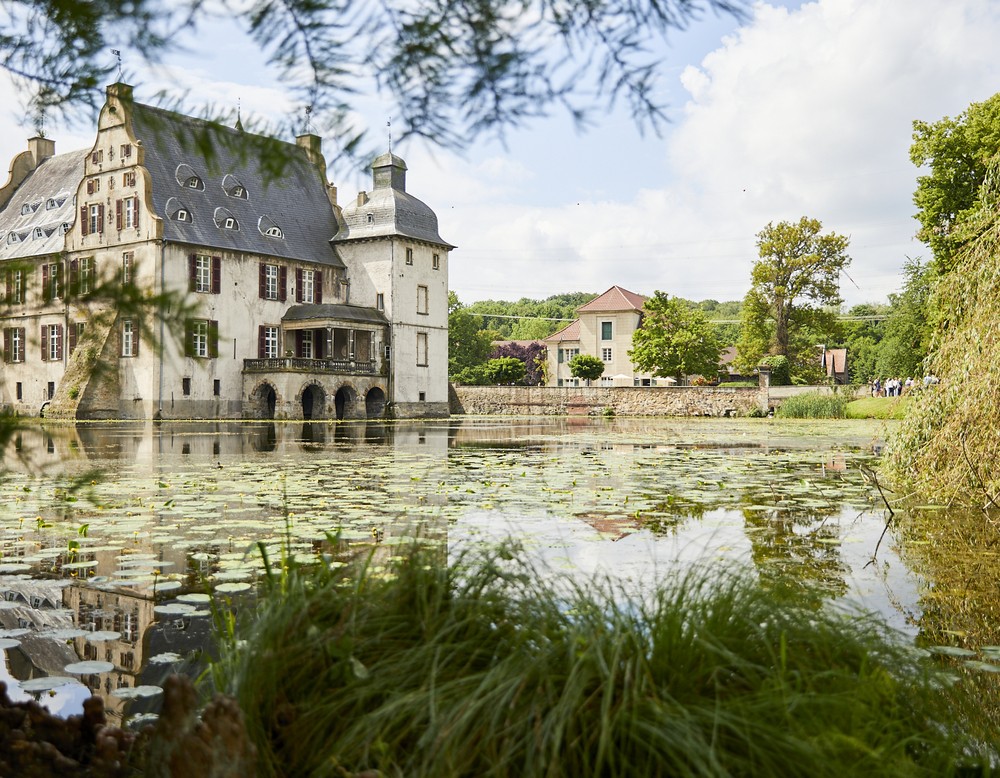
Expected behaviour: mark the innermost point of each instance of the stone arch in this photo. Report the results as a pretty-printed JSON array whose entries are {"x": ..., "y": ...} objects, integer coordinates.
[
  {"x": 375, "y": 403},
  {"x": 344, "y": 402},
  {"x": 313, "y": 400},
  {"x": 263, "y": 401}
]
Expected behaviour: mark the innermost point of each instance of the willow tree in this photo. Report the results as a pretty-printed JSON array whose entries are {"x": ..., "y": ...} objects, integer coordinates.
[{"x": 795, "y": 289}]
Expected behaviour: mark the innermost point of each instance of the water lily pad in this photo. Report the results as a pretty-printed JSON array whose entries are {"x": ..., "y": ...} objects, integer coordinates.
[
  {"x": 102, "y": 636},
  {"x": 135, "y": 692},
  {"x": 65, "y": 633},
  {"x": 142, "y": 720},
  {"x": 166, "y": 586},
  {"x": 46, "y": 683},
  {"x": 174, "y": 609},
  {"x": 166, "y": 658},
  {"x": 80, "y": 565},
  {"x": 232, "y": 588},
  {"x": 194, "y": 597},
  {"x": 90, "y": 667}
]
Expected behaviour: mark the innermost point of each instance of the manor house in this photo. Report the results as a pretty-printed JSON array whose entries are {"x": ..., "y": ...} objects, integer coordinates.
[{"x": 183, "y": 269}]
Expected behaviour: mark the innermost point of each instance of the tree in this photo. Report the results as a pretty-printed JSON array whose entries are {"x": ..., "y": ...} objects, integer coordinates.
[
  {"x": 907, "y": 337},
  {"x": 468, "y": 345},
  {"x": 795, "y": 288},
  {"x": 452, "y": 69},
  {"x": 674, "y": 340},
  {"x": 531, "y": 354},
  {"x": 586, "y": 366},
  {"x": 504, "y": 370},
  {"x": 958, "y": 153}
]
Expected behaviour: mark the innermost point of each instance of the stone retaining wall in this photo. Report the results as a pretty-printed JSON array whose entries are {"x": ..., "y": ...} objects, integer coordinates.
[{"x": 596, "y": 400}]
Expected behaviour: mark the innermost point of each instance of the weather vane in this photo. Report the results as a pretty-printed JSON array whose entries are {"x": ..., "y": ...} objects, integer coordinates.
[
  {"x": 118, "y": 56},
  {"x": 309, "y": 110}
]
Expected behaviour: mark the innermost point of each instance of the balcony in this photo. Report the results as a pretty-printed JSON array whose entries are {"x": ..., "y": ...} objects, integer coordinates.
[{"x": 302, "y": 365}]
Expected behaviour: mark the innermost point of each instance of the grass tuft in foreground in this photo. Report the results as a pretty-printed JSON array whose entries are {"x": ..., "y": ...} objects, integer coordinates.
[
  {"x": 813, "y": 405},
  {"x": 485, "y": 667}
]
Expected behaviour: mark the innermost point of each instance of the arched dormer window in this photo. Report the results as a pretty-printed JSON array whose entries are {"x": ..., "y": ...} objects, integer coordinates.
[
  {"x": 266, "y": 226},
  {"x": 274, "y": 232},
  {"x": 371, "y": 218},
  {"x": 38, "y": 233},
  {"x": 178, "y": 211},
  {"x": 13, "y": 238},
  {"x": 225, "y": 220},
  {"x": 50, "y": 204},
  {"x": 233, "y": 187},
  {"x": 188, "y": 177},
  {"x": 25, "y": 209},
  {"x": 194, "y": 182},
  {"x": 182, "y": 215}
]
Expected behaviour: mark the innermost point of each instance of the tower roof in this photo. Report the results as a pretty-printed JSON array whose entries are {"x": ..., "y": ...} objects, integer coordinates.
[{"x": 615, "y": 299}]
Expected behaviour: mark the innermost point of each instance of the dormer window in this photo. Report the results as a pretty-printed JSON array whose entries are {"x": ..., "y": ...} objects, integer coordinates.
[
  {"x": 371, "y": 218},
  {"x": 233, "y": 187},
  {"x": 230, "y": 223},
  {"x": 182, "y": 215},
  {"x": 25, "y": 209},
  {"x": 193, "y": 182},
  {"x": 38, "y": 233},
  {"x": 239, "y": 191},
  {"x": 65, "y": 227},
  {"x": 274, "y": 232},
  {"x": 188, "y": 177},
  {"x": 13, "y": 238},
  {"x": 50, "y": 204}
]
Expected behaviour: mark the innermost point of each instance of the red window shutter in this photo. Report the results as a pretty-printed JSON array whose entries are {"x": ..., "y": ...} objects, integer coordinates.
[
  {"x": 136, "y": 337},
  {"x": 283, "y": 283},
  {"x": 100, "y": 218},
  {"x": 127, "y": 150},
  {"x": 260, "y": 342},
  {"x": 45, "y": 343},
  {"x": 213, "y": 339},
  {"x": 46, "y": 289},
  {"x": 59, "y": 341},
  {"x": 262, "y": 281},
  {"x": 192, "y": 272},
  {"x": 58, "y": 271},
  {"x": 298, "y": 284},
  {"x": 298, "y": 343},
  {"x": 6, "y": 345},
  {"x": 189, "y": 338},
  {"x": 10, "y": 287},
  {"x": 74, "y": 278},
  {"x": 118, "y": 214},
  {"x": 135, "y": 211},
  {"x": 90, "y": 186},
  {"x": 318, "y": 286},
  {"x": 84, "y": 221},
  {"x": 216, "y": 275},
  {"x": 71, "y": 338}
]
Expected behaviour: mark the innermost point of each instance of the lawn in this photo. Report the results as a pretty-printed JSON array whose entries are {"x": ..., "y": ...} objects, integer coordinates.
[{"x": 878, "y": 408}]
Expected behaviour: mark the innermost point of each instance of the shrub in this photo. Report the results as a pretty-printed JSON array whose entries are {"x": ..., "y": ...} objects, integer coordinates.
[
  {"x": 485, "y": 666},
  {"x": 813, "y": 405},
  {"x": 586, "y": 366},
  {"x": 504, "y": 370},
  {"x": 781, "y": 368}
]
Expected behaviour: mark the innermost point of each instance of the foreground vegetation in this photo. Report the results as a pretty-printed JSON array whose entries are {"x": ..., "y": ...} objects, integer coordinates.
[
  {"x": 486, "y": 667},
  {"x": 813, "y": 405}
]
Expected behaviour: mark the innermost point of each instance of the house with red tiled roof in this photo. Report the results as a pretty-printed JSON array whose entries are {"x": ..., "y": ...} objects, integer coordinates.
[{"x": 604, "y": 330}]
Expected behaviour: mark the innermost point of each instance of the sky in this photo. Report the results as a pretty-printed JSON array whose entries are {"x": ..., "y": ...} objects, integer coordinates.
[{"x": 803, "y": 109}]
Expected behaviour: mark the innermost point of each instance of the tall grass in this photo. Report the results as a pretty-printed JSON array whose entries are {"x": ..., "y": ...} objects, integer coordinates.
[
  {"x": 813, "y": 405},
  {"x": 487, "y": 668}
]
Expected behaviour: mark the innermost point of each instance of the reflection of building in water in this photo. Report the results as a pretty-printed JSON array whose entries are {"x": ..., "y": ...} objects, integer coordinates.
[{"x": 127, "y": 612}]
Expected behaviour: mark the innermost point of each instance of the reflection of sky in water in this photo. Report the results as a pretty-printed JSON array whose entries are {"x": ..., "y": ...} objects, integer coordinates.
[
  {"x": 641, "y": 559},
  {"x": 64, "y": 700}
]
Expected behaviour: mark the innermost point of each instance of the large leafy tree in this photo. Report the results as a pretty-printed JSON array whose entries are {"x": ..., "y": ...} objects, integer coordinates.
[
  {"x": 956, "y": 153},
  {"x": 531, "y": 354},
  {"x": 907, "y": 332},
  {"x": 675, "y": 340},
  {"x": 794, "y": 294},
  {"x": 586, "y": 366},
  {"x": 468, "y": 345},
  {"x": 452, "y": 69}
]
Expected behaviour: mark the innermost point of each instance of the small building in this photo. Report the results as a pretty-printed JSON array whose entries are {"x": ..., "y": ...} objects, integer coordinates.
[{"x": 182, "y": 269}]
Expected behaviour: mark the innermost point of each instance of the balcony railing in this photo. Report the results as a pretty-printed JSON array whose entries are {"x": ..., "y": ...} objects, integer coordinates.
[{"x": 302, "y": 365}]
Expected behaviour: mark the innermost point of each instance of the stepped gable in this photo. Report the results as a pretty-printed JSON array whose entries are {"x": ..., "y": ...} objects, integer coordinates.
[
  {"x": 388, "y": 210},
  {"x": 40, "y": 206},
  {"x": 615, "y": 299},
  {"x": 200, "y": 166}
]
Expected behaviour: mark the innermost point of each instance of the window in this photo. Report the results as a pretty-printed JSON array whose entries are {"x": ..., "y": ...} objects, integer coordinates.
[
  {"x": 305, "y": 343},
  {"x": 274, "y": 232},
  {"x": 15, "y": 286},
  {"x": 127, "y": 267},
  {"x": 186, "y": 386},
  {"x": 204, "y": 273},
  {"x": 606, "y": 354},
  {"x": 566, "y": 354},
  {"x": 97, "y": 156},
  {"x": 267, "y": 342},
  {"x": 217, "y": 388},
  {"x": 93, "y": 185},
  {"x": 421, "y": 349},
  {"x": 65, "y": 227},
  {"x": 52, "y": 342},
  {"x": 308, "y": 286},
  {"x": 130, "y": 338},
  {"x": 201, "y": 339},
  {"x": 127, "y": 213},
  {"x": 422, "y": 300},
  {"x": 50, "y": 204},
  {"x": 128, "y": 178},
  {"x": 607, "y": 330},
  {"x": 50, "y": 392},
  {"x": 126, "y": 150},
  {"x": 75, "y": 334},
  {"x": 230, "y": 223},
  {"x": 52, "y": 281},
  {"x": 380, "y": 301},
  {"x": 436, "y": 261},
  {"x": 13, "y": 238},
  {"x": 20, "y": 392},
  {"x": 13, "y": 344},
  {"x": 82, "y": 276},
  {"x": 422, "y": 396},
  {"x": 409, "y": 256},
  {"x": 25, "y": 209},
  {"x": 182, "y": 215},
  {"x": 371, "y": 218},
  {"x": 38, "y": 233},
  {"x": 272, "y": 282},
  {"x": 91, "y": 218},
  {"x": 194, "y": 182}
]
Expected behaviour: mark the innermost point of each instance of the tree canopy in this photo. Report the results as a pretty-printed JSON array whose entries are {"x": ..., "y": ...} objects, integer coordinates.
[
  {"x": 957, "y": 153},
  {"x": 468, "y": 345},
  {"x": 452, "y": 69},
  {"x": 794, "y": 293},
  {"x": 674, "y": 340},
  {"x": 586, "y": 366}
]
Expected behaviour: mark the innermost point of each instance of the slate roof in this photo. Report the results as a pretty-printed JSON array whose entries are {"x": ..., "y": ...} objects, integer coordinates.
[
  {"x": 615, "y": 299},
  {"x": 343, "y": 311},
  {"x": 569, "y": 332},
  {"x": 283, "y": 188},
  {"x": 48, "y": 192},
  {"x": 393, "y": 211}
]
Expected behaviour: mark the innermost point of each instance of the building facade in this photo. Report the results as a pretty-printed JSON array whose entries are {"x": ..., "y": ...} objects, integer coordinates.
[{"x": 181, "y": 269}]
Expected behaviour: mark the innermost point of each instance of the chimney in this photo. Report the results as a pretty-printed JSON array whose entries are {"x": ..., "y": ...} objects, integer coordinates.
[
  {"x": 362, "y": 198},
  {"x": 122, "y": 91},
  {"x": 41, "y": 149}
]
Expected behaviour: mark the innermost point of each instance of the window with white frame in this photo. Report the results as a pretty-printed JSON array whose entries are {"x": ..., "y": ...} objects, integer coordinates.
[
  {"x": 86, "y": 275},
  {"x": 422, "y": 300},
  {"x": 202, "y": 273},
  {"x": 380, "y": 301},
  {"x": 421, "y": 349},
  {"x": 54, "y": 350},
  {"x": 128, "y": 260},
  {"x": 13, "y": 344},
  {"x": 308, "y": 286},
  {"x": 436, "y": 262},
  {"x": 269, "y": 342},
  {"x": 129, "y": 338},
  {"x": 198, "y": 331},
  {"x": 128, "y": 178},
  {"x": 15, "y": 286},
  {"x": 52, "y": 281},
  {"x": 130, "y": 212},
  {"x": 409, "y": 256},
  {"x": 271, "y": 282},
  {"x": 606, "y": 354},
  {"x": 306, "y": 352},
  {"x": 95, "y": 218}
]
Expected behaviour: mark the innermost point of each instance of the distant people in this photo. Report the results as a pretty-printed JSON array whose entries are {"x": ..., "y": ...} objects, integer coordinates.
[
  {"x": 876, "y": 387},
  {"x": 908, "y": 384}
]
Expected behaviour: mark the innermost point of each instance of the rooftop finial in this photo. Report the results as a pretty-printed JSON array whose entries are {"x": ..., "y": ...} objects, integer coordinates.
[
  {"x": 118, "y": 56},
  {"x": 239, "y": 118},
  {"x": 388, "y": 124}
]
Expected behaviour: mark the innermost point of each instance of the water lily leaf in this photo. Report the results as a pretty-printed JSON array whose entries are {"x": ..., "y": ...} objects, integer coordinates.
[
  {"x": 165, "y": 658},
  {"x": 135, "y": 692},
  {"x": 90, "y": 667},
  {"x": 103, "y": 636},
  {"x": 46, "y": 683}
]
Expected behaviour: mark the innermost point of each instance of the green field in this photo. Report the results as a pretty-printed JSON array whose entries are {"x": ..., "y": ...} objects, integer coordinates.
[{"x": 878, "y": 408}]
